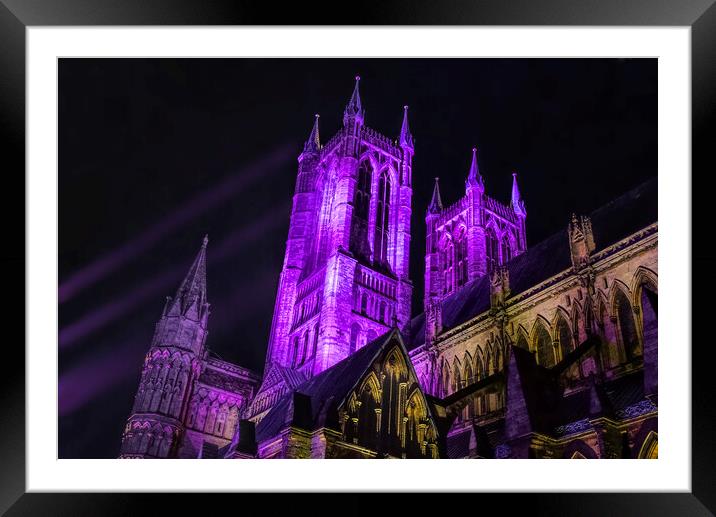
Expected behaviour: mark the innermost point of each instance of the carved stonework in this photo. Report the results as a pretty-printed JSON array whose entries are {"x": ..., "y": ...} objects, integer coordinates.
[
  {"x": 499, "y": 287},
  {"x": 581, "y": 241}
]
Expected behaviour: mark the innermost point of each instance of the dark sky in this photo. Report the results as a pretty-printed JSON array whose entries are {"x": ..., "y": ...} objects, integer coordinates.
[{"x": 154, "y": 153}]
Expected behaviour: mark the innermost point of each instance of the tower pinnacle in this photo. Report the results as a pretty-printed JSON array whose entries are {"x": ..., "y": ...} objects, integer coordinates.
[
  {"x": 517, "y": 204},
  {"x": 406, "y": 139},
  {"x": 436, "y": 204},
  {"x": 313, "y": 144},
  {"x": 474, "y": 178},
  {"x": 354, "y": 109},
  {"x": 192, "y": 291}
]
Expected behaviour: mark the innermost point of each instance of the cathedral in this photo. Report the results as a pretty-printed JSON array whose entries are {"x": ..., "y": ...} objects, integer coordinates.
[{"x": 548, "y": 351}]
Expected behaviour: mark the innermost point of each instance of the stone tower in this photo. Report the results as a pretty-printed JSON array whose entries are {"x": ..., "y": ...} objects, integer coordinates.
[
  {"x": 345, "y": 274},
  {"x": 468, "y": 239},
  {"x": 155, "y": 428}
]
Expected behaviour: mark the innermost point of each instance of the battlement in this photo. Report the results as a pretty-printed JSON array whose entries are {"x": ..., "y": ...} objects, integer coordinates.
[
  {"x": 376, "y": 139},
  {"x": 332, "y": 143},
  {"x": 500, "y": 209}
]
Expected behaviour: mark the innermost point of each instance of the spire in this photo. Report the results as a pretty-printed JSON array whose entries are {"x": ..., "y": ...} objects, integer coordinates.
[
  {"x": 474, "y": 179},
  {"x": 406, "y": 139},
  {"x": 192, "y": 291},
  {"x": 354, "y": 108},
  {"x": 436, "y": 204},
  {"x": 517, "y": 204},
  {"x": 313, "y": 144}
]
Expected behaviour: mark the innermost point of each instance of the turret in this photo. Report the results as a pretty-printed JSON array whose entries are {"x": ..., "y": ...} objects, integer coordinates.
[
  {"x": 308, "y": 159},
  {"x": 518, "y": 206},
  {"x": 313, "y": 144},
  {"x": 432, "y": 259},
  {"x": 184, "y": 320},
  {"x": 156, "y": 425}
]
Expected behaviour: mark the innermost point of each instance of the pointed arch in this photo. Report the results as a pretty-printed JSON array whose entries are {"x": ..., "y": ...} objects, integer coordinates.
[
  {"x": 361, "y": 206},
  {"x": 563, "y": 335},
  {"x": 479, "y": 365},
  {"x": 456, "y": 375},
  {"x": 371, "y": 383},
  {"x": 467, "y": 372},
  {"x": 354, "y": 337},
  {"x": 522, "y": 338},
  {"x": 383, "y": 211},
  {"x": 643, "y": 277},
  {"x": 623, "y": 312},
  {"x": 618, "y": 287},
  {"x": 541, "y": 341},
  {"x": 488, "y": 361},
  {"x": 445, "y": 378},
  {"x": 395, "y": 361},
  {"x": 492, "y": 252}
]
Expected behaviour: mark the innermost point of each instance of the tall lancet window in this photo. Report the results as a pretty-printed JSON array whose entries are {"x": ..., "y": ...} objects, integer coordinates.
[
  {"x": 506, "y": 250},
  {"x": 382, "y": 220},
  {"x": 361, "y": 205},
  {"x": 461, "y": 258},
  {"x": 448, "y": 266},
  {"x": 491, "y": 250}
]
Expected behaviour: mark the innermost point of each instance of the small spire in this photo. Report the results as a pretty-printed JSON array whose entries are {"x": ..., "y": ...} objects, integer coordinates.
[
  {"x": 313, "y": 144},
  {"x": 193, "y": 287},
  {"x": 406, "y": 139},
  {"x": 517, "y": 204},
  {"x": 474, "y": 178},
  {"x": 436, "y": 204},
  {"x": 354, "y": 107}
]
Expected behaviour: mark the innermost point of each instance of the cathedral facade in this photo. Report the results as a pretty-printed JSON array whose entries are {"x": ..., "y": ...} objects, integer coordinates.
[{"x": 541, "y": 352}]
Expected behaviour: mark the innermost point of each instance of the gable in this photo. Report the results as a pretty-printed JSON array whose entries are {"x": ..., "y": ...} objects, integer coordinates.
[{"x": 373, "y": 398}]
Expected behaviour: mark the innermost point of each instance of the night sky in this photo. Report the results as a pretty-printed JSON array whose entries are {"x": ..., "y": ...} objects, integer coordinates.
[{"x": 155, "y": 153}]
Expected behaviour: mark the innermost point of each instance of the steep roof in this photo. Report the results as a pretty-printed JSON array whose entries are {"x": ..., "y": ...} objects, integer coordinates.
[
  {"x": 329, "y": 388},
  {"x": 611, "y": 223}
]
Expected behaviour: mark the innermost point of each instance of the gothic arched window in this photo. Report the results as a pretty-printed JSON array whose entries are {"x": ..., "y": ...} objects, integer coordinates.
[
  {"x": 456, "y": 380},
  {"x": 564, "y": 335},
  {"x": 315, "y": 340},
  {"x": 361, "y": 205},
  {"x": 382, "y": 220},
  {"x": 448, "y": 265},
  {"x": 522, "y": 342},
  {"x": 506, "y": 250},
  {"x": 355, "y": 333},
  {"x": 362, "y": 195},
  {"x": 544, "y": 348},
  {"x": 461, "y": 258},
  {"x": 627, "y": 328},
  {"x": 306, "y": 339},
  {"x": 294, "y": 358},
  {"x": 649, "y": 316},
  {"x": 491, "y": 250}
]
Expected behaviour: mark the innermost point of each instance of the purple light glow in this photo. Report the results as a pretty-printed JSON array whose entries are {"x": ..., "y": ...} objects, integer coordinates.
[
  {"x": 163, "y": 282},
  {"x": 345, "y": 273},
  {"x": 221, "y": 193}
]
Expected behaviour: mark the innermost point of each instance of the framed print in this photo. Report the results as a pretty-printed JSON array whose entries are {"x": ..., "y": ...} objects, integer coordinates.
[{"x": 431, "y": 235}]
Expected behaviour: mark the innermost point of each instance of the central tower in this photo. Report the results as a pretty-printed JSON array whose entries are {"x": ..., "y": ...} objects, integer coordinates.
[{"x": 345, "y": 273}]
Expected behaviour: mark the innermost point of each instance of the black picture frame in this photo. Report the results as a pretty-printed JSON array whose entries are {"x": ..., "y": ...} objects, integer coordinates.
[{"x": 17, "y": 15}]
